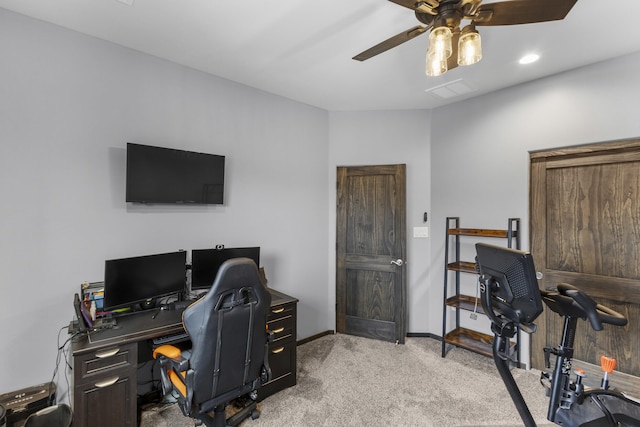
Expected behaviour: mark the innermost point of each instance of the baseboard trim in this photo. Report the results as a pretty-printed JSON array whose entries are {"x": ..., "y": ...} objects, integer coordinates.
[
  {"x": 315, "y": 337},
  {"x": 332, "y": 332},
  {"x": 423, "y": 335}
]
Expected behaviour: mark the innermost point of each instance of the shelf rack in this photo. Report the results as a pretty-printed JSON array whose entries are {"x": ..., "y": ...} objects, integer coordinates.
[{"x": 459, "y": 336}]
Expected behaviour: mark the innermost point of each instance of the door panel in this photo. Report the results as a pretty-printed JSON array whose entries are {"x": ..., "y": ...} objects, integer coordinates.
[
  {"x": 370, "y": 290},
  {"x": 596, "y": 211},
  {"x": 585, "y": 230}
]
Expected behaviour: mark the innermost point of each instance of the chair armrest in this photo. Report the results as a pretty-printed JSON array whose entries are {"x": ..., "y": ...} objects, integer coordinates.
[
  {"x": 173, "y": 368},
  {"x": 171, "y": 356},
  {"x": 167, "y": 350}
]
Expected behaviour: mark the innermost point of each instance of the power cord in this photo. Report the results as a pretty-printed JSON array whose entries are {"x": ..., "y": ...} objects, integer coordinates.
[
  {"x": 63, "y": 350},
  {"x": 474, "y": 313}
]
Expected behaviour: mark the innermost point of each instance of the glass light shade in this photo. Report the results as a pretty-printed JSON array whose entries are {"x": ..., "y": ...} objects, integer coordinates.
[
  {"x": 440, "y": 42},
  {"x": 469, "y": 48},
  {"x": 435, "y": 65}
]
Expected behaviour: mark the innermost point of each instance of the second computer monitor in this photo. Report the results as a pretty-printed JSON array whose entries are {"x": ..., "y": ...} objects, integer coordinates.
[{"x": 206, "y": 262}]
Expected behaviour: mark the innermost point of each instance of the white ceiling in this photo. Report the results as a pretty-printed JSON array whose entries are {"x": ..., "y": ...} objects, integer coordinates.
[{"x": 302, "y": 50}]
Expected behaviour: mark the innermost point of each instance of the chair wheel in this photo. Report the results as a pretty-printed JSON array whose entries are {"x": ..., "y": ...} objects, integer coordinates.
[{"x": 255, "y": 414}]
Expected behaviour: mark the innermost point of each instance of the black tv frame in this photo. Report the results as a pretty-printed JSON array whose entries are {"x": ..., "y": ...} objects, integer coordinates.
[{"x": 159, "y": 175}]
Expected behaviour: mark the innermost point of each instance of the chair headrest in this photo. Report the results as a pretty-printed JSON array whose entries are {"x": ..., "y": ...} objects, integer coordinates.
[
  {"x": 237, "y": 280},
  {"x": 236, "y": 273}
]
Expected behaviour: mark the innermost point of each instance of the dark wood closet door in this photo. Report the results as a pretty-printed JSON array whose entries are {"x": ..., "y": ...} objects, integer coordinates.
[
  {"x": 370, "y": 252},
  {"x": 585, "y": 230}
]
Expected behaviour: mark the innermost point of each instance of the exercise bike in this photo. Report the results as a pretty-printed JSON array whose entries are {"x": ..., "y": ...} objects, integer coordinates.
[{"x": 511, "y": 298}]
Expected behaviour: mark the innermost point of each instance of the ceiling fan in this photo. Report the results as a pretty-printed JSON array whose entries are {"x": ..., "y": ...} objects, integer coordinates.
[{"x": 449, "y": 46}]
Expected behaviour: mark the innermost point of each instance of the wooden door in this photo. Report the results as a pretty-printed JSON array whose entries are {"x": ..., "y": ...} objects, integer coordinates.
[
  {"x": 585, "y": 230},
  {"x": 370, "y": 247}
]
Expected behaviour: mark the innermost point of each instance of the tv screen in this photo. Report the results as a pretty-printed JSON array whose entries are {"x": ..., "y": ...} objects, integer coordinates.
[
  {"x": 516, "y": 295},
  {"x": 206, "y": 262},
  {"x": 129, "y": 281},
  {"x": 166, "y": 176}
]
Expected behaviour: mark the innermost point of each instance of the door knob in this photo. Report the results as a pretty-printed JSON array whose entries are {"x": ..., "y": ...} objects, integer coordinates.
[{"x": 399, "y": 262}]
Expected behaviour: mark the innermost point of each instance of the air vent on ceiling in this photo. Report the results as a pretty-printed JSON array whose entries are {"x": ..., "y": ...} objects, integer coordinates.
[{"x": 451, "y": 89}]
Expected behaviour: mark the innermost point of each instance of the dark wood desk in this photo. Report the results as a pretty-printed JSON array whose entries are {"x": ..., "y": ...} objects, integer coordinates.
[{"x": 105, "y": 363}]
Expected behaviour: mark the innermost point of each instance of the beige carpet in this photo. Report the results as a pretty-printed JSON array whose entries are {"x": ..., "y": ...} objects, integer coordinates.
[{"x": 350, "y": 381}]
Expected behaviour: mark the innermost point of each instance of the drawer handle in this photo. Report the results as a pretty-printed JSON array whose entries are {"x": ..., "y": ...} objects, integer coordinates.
[
  {"x": 278, "y": 310},
  {"x": 277, "y": 331},
  {"x": 278, "y": 350},
  {"x": 107, "y": 383},
  {"x": 107, "y": 353}
]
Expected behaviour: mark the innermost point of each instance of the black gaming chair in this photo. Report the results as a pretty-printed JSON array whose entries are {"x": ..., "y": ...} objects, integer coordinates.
[{"x": 228, "y": 358}]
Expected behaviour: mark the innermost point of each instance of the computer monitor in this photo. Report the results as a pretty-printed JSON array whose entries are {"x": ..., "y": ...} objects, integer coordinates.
[
  {"x": 515, "y": 293},
  {"x": 129, "y": 281},
  {"x": 206, "y": 262}
]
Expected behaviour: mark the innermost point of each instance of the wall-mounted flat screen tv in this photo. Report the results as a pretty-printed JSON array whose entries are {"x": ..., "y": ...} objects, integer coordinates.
[{"x": 166, "y": 176}]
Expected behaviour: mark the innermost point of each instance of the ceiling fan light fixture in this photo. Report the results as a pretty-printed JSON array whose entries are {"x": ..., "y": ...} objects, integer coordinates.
[
  {"x": 440, "y": 43},
  {"x": 469, "y": 46},
  {"x": 435, "y": 66}
]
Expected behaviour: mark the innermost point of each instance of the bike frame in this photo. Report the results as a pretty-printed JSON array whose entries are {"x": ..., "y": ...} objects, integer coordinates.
[
  {"x": 570, "y": 404},
  {"x": 573, "y": 405}
]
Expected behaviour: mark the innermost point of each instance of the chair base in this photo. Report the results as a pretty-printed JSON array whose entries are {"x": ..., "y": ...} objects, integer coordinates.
[{"x": 219, "y": 418}]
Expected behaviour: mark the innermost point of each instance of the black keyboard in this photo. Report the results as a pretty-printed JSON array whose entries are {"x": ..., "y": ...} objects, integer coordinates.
[{"x": 170, "y": 339}]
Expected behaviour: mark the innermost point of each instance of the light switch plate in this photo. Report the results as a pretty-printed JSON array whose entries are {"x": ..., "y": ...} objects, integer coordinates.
[{"x": 421, "y": 232}]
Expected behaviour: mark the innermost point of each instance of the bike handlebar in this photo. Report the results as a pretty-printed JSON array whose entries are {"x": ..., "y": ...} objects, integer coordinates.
[{"x": 596, "y": 313}]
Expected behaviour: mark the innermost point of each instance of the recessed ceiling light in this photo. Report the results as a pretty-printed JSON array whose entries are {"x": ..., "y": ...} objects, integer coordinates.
[
  {"x": 127, "y": 2},
  {"x": 529, "y": 58}
]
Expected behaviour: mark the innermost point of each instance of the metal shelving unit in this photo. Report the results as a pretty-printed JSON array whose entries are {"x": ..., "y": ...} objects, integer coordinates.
[{"x": 460, "y": 336}]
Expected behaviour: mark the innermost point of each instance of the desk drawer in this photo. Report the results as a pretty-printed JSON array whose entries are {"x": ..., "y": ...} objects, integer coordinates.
[
  {"x": 282, "y": 360},
  {"x": 280, "y": 311},
  {"x": 104, "y": 361},
  {"x": 282, "y": 328},
  {"x": 106, "y": 402}
]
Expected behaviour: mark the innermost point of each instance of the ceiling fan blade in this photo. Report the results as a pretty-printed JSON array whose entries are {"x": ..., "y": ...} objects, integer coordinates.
[
  {"x": 392, "y": 42},
  {"x": 523, "y": 12},
  {"x": 409, "y": 4},
  {"x": 424, "y": 6}
]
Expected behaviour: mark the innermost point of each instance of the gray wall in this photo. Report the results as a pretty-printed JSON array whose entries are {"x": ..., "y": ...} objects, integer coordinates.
[{"x": 68, "y": 106}]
